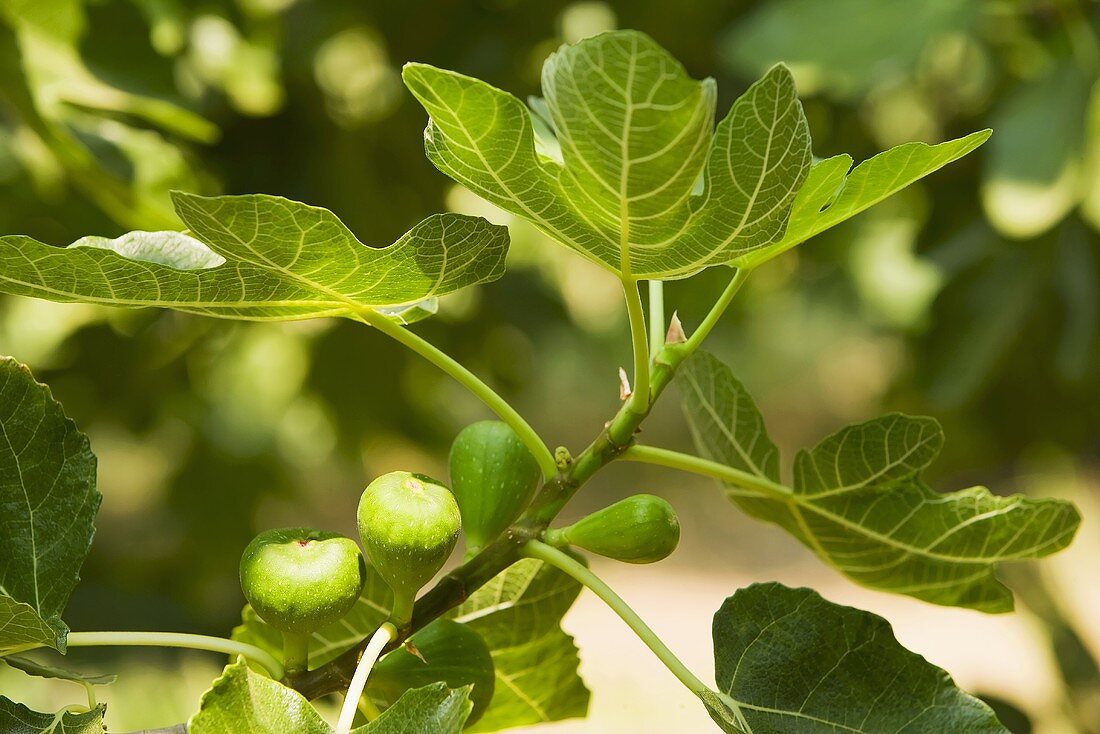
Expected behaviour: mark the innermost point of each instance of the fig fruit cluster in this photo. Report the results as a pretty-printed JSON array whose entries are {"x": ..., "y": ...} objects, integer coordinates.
[{"x": 300, "y": 580}]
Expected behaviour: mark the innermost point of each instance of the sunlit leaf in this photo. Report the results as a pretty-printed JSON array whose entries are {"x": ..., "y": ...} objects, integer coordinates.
[
  {"x": 242, "y": 700},
  {"x": 832, "y": 195},
  {"x": 798, "y": 664},
  {"x": 48, "y": 503},
  {"x": 260, "y": 258},
  {"x": 859, "y": 503},
  {"x": 433, "y": 708},
  {"x": 635, "y": 134},
  {"x": 15, "y": 718},
  {"x": 518, "y": 614}
]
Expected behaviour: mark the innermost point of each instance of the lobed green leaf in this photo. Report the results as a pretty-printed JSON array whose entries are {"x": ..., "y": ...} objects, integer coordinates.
[
  {"x": 48, "y": 503},
  {"x": 260, "y": 257},
  {"x": 242, "y": 701},
  {"x": 832, "y": 195},
  {"x": 859, "y": 503},
  {"x": 797, "y": 664},
  {"x": 518, "y": 614},
  {"x": 636, "y": 138}
]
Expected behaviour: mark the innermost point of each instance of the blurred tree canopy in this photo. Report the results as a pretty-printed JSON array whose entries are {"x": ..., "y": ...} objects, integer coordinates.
[{"x": 973, "y": 296}]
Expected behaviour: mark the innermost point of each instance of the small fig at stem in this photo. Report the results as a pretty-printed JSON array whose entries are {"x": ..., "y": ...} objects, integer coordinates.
[{"x": 638, "y": 529}]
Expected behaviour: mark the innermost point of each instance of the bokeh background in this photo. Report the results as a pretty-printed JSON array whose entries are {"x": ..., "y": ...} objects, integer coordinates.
[{"x": 973, "y": 296}]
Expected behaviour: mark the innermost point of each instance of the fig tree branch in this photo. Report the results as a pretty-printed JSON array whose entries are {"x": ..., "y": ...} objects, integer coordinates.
[{"x": 457, "y": 586}]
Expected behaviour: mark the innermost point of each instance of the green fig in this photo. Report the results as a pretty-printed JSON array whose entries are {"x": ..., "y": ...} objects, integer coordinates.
[
  {"x": 299, "y": 580},
  {"x": 493, "y": 477},
  {"x": 638, "y": 529},
  {"x": 409, "y": 524}
]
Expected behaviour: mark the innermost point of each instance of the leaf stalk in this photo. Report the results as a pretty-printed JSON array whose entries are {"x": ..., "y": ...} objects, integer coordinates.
[
  {"x": 471, "y": 382},
  {"x": 568, "y": 565}
]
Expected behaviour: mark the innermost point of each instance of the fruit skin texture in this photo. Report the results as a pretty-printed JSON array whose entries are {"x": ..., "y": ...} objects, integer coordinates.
[
  {"x": 638, "y": 529},
  {"x": 299, "y": 580},
  {"x": 451, "y": 652},
  {"x": 409, "y": 524},
  {"x": 493, "y": 477}
]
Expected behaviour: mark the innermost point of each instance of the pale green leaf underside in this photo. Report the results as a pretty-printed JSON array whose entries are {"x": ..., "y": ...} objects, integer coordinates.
[
  {"x": 798, "y": 664},
  {"x": 832, "y": 195},
  {"x": 242, "y": 701},
  {"x": 858, "y": 501},
  {"x": 260, "y": 257},
  {"x": 15, "y": 718},
  {"x": 48, "y": 502},
  {"x": 518, "y": 614},
  {"x": 635, "y": 135}
]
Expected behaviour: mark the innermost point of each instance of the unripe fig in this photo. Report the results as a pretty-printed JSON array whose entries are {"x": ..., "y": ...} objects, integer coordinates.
[
  {"x": 300, "y": 580},
  {"x": 493, "y": 477},
  {"x": 638, "y": 529},
  {"x": 409, "y": 524},
  {"x": 445, "y": 651}
]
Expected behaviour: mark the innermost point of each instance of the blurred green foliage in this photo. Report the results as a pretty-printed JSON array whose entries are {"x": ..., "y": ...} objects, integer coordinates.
[{"x": 973, "y": 296}]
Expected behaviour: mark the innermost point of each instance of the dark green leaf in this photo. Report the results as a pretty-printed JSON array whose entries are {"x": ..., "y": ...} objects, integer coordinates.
[
  {"x": 48, "y": 503},
  {"x": 859, "y": 503},
  {"x": 798, "y": 664},
  {"x": 444, "y": 651},
  {"x": 15, "y": 718}
]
